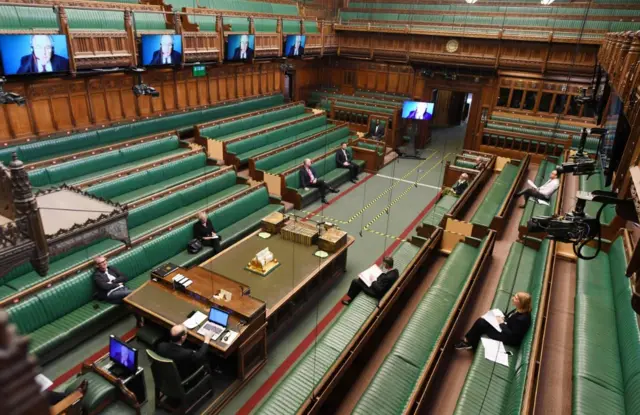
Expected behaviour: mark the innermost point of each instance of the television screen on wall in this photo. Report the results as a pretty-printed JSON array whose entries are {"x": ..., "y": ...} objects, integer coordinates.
[
  {"x": 294, "y": 45},
  {"x": 240, "y": 47},
  {"x": 34, "y": 54},
  {"x": 416, "y": 110},
  {"x": 161, "y": 50}
]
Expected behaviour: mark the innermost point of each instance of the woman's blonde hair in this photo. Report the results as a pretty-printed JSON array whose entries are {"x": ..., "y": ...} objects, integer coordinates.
[{"x": 525, "y": 302}]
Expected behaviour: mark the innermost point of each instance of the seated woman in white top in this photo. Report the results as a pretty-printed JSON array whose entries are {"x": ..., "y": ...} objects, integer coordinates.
[{"x": 543, "y": 192}]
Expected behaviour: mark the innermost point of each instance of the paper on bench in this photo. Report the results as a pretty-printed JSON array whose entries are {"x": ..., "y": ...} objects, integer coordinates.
[
  {"x": 195, "y": 320},
  {"x": 490, "y": 317},
  {"x": 369, "y": 275},
  {"x": 495, "y": 351},
  {"x": 541, "y": 202}
]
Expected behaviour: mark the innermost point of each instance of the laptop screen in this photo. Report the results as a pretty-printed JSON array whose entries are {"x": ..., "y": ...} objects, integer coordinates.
[{"x": 218, "y": 316}]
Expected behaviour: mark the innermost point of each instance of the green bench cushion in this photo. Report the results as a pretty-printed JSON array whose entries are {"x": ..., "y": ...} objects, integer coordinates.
[
  {"x": 496, "y": 195},
  {"x": 441, "y": 208}
]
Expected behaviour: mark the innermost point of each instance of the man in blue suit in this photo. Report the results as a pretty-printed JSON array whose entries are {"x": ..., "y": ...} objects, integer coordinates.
[
  {"x": 42, "y": 57},
  {"x": 166, "y": 55}
]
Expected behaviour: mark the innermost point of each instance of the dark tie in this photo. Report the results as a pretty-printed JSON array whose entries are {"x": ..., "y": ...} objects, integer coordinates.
[{"x": 44, "y": 68}]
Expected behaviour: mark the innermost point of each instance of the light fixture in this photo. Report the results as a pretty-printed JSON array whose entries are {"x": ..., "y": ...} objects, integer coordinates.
[
  {"x": 9, "y": 97},
  {"x": 471, "y": 1},
  {"x": 546, "y": 2}
]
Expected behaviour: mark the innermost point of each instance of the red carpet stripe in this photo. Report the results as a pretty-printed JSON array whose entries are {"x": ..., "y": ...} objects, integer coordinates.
[
  {"x": 266, "y": 387},
  {"x": 76, "y": 369},
  {"x": 346, "y": 192}
]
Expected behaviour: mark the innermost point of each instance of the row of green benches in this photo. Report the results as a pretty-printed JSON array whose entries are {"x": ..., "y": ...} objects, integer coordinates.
[
  {"x": 495, "y": 201},
  {"x": 141, "y": 222},
  {"x": 303, "y": 381},
  {"x": 520, "y": 7},
  {"x": 59, "y": 317},
  {"x": 49, "y": 148},
  {"x": 539, "y": 123},
  {"x": 591, "y": 144},
  {"x": 398, "y": 377},
  {"x": 318, "y": 96},
  {"x": 493, "y": 388},
  {"x": 606, "y": 336},
  {"x": 523, "y": 145}
]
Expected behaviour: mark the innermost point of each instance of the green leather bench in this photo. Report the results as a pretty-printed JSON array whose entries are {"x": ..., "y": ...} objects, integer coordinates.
[
  {"x": 137, "y": 186},
  {"x": 533, "y": 209},
  {"x": 441, "y": 208},
  {"x": 275, "y": 124},
  {"x": 251, "y": 6},
  {"x": 397, "y": 377},
  {"x": 223, "y": 129},
  {"x": 58, "y": 318},
  {"x": 497, "y": 389},
  {"x": 286, "y": 159},
  {"x": 606, "y": 337},
  {"x": 327, "y": 171},
  {"x": 99, "y": 20},
  {"x": 494, "y": 199},
  {"x": 140, "y": 222},
  {"x": 253, "y": 146},
  {"x": 317, "y": 96},
  {"x": 49, "y": 148},
  {"x": 372, "y": 147},
  {"x": 110, "y": 162},
  {"x": 16, "y": 18},
  {"x": 596, "y": 182},
  {"x": 465, "y": 163},
  {"x": 296, "y": 387}
]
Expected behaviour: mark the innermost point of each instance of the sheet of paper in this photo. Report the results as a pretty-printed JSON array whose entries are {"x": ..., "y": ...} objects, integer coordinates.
[
  {"x": 490, "y": 317},
  {"x": 230, "y": 336},
  {"x": 43, "y": 381},
  {"x": 369, "y": 275},
  {"x": 195, "y": 320},
  {"x": 495, "y": 351},
  {"x": 542, "y": 202},
  {"x": 532, "y": 184}
]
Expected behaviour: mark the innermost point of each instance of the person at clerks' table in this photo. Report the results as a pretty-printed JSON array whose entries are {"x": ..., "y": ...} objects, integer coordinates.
[
  {"x": 344, "y": 160},
  {"x": 204, "y": 231},
  {"x": 309, "y": 178},
  {"x": 109, "y": 282},
  {"x": 513, "y": 326},
  {"x": 379, "y": 287},
  {"x": 187, "y": 360}
]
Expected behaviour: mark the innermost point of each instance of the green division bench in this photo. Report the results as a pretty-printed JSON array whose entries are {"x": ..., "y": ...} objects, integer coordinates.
[
  {"x": 402, "y": 378},
  {"x": 597, "y": 182},
  {"x": 496, "y": 389},
  {"x": 140, "y": 185},
  {"x": 43, "y": 149},
  {"x": 106, "y": 165},
  {"x": 320, "y": 368},
  {"x": 372, "y": 152},
  {"x": 492, "y": 211},
  {"x": 533, "y": 209},
  {"x": 58, "y": 318},
  {"x": 606, "y": 336},
  {"x": 326, "y": 168},
  {"x": 143, "y": 221}
]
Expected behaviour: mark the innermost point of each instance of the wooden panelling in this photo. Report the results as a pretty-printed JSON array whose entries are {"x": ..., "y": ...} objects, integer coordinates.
[{"x": 58, "y": 106}]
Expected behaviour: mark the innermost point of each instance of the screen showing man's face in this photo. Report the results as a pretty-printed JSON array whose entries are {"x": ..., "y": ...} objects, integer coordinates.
[
  {"x": 42, "y": 49},
  {"x": 167, "y": 45},
  {"x": 244, "y": 43},
  {"x": 298, "y": 41}
]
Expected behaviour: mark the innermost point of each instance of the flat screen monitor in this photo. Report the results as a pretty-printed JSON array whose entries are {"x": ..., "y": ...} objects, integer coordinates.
[
  {"x": 218, "y": 316},
  {"x": 294, "y": 45},
  {"x": 34, "y": 54},
  {"x": 122, "y": 354},
  {"x": 416, "y": 110},
  {"x": 161, "y": 50},
  {"x": 240, "y": 47}
]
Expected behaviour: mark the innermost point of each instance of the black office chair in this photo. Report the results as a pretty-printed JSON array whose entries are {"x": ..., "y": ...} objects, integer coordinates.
[{"x": 170, "y": 390}]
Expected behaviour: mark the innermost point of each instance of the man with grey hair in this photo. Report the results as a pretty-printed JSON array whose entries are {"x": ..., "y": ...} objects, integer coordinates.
[
  {"x": 42, "y": 57},
  {"x": 244, "y": 52},
  {"x": 109, "y": 282},
  {"x": 166, "y": 55},
  {"x": 186, "y": 360},
  {"x": 309, "y": 178}
]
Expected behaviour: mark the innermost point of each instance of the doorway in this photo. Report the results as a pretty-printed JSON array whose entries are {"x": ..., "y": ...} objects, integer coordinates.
[{"x": 288, "y": 86}]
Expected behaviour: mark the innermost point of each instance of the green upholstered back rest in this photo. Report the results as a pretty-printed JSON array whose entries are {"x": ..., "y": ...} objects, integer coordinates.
[
  {"x": 208, "y": 188},
  {"x": 132, "y": 262},
  {"x": 291, "y": 26},
  {"x": 466, "y": 163},
  {"x": 311, "y": 27},
  {"x": 149, "y": 21},
  {"x": 265, "y": 25},
  {"x": 239, "y": 209},
  {"x": 27, "y": 18},
  {"x": 68, "y": 295},
  {"x": 154, "y": 209},
  {"x": 244, "y": 124},
  {"x": 167, "y": 245},
  {"x": 206, "y": 23},
  {"x": 89, "y": 19},
  {"x": 28, "y": 315},
  {"x": 238, "y": 24}
]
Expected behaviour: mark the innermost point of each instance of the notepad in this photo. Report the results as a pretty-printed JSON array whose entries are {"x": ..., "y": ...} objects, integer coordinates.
[
  {"x": 195, "y": 320},
  {"x": 490, "y": 317},
  {"x": 369, "y": 275}
]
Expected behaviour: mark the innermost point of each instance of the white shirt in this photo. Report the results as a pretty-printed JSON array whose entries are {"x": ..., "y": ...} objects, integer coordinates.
[
  {"x": 346, "y": 157},
  {"x": 295, "y": 52},
  {"x": 549, "y": 187},
  {"x": 166, "y": 60},
  {"x": 243, "y": 55},
  {"x": 111, "y": 279},
  {"x": 47, "y": 67}
]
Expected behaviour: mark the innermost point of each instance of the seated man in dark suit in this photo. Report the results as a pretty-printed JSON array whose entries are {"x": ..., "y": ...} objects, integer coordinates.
[
  {"x": 309, "y": 178},
  {"x": 377, "y": 131},
  {"x": 379, "y": 287},
  {"x": 187, "y": 360},
  {"x": 109, "y": 282},
  {"x": 166, "y": 55},
  {"x": 204, "y": 231},
  {"x": 343, "y": 161},
  {"x": 297, "y": 49},
  {"x": 479, "y": 163},
  {"x": 244, "y": 51},
  {"x": 42, "y": 57}
]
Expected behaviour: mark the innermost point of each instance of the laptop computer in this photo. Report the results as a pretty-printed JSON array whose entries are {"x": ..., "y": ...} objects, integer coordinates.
[{"x": 217, "y": 323}]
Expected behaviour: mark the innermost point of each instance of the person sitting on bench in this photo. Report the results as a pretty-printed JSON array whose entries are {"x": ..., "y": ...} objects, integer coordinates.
[
  {"x": 479, "y": 163},
  {"x": 379, "y": 287},
  {"x": 344, "y": 161},
  {"x": 460, "y": 186},
  {"x": 514, "y": 325},
  {"x": 309, "y": 178},
  {"x": 543, "y": 192},
  {"x": 377, "y": 131},
  {"x": 204, "y": 231},
  {"x": 109, "y": 282}
]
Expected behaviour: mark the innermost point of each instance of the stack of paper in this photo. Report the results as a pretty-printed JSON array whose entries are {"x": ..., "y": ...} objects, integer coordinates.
[
  {"x": 369, "y": 275},
  {"x": 495, "y": 351},
  {"x": 490, "y": 317},
  {"x": 195, "y": 320},
  {"x": 43, "y": 381}
]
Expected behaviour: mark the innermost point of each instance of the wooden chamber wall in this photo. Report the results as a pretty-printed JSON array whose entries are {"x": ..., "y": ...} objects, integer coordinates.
[{"x": 60, "y": 105}]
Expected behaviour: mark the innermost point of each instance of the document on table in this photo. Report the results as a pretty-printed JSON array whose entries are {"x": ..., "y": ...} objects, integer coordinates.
[
  {"x": 195, "y": 320},
  {"x": 495, "y": 351},
  {"x": 369, "y": 275},
  {"x": 490, "y": 317}
]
